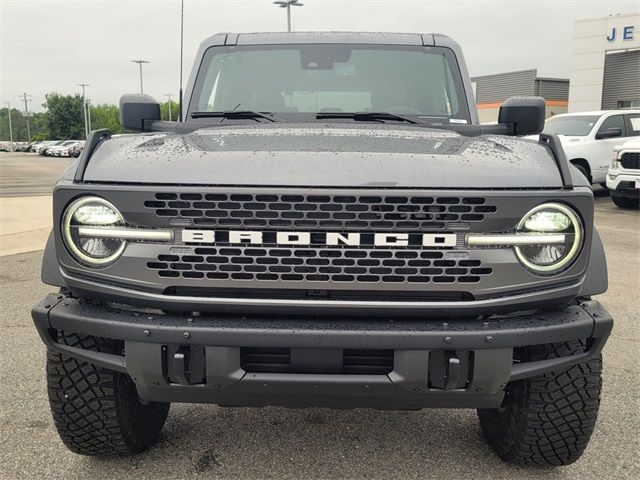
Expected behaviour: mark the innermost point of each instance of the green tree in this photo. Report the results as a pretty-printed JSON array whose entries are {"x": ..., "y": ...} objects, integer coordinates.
[
  {"x": 65, "y": 118},
  {"x": 164, "y": 111},
  {"x": 19, "y": 125},
  {"x": 106, "y": 116}
]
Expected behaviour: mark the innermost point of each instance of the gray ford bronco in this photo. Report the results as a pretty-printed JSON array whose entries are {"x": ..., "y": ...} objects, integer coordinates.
[{"x": 327, "y": 225}]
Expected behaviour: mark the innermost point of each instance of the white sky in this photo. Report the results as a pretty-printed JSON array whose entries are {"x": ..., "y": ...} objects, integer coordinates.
[{"x": 51, "y": 45}]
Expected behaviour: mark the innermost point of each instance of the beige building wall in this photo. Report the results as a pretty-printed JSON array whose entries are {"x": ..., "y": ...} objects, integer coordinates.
[
  {"x": 592, "y": 38},
  {"x": 489, "y": 114}
]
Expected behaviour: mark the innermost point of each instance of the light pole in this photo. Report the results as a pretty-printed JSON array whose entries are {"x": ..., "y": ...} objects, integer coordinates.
[
  {"x": 10, "y": 127},
  {"x": 84, "y": 109},
  {"x": 288, "y": 4},
  {"x": 89, "y": 114},
  {"x": 169, "y": 95},
  {"x": 26, "y": 98},
  {"x": 140, "y": 62}
]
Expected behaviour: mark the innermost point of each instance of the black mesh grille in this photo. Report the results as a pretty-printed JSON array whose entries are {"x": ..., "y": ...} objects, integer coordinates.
[
  {"x": 630, "y": 160},
  {"x": 344, "y": 212},
  {"x": 326, "y": 265}
]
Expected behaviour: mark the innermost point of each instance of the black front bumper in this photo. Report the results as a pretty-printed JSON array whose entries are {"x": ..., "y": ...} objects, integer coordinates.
[
  {"x": 473, "y": 359},
  {"x": 627, "y": 190}
]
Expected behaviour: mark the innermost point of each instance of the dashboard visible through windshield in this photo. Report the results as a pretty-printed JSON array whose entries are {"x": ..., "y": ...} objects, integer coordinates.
[{"x": 288, "y": 80}]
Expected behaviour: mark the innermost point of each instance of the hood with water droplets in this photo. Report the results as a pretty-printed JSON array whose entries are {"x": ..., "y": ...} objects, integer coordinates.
[{"x": 327, "y": 155}]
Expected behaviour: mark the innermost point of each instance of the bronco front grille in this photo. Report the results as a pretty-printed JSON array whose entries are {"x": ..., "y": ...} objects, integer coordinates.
[
  {"x": 344, "y": 212},
  {"x": 320, "y": 265},
  {"x": 630, "y": 160}
]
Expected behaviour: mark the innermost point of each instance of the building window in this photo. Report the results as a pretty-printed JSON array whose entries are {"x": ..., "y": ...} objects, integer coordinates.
[{"x": 628, "y": 103}]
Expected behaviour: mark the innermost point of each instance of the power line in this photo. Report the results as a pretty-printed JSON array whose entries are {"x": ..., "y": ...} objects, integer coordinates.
[
  {"x": 10, "y": 126},
  {"x": 26, "y": 98},
  {"x": 169, "y": 95},
  {"x": 84, "y": 109}
]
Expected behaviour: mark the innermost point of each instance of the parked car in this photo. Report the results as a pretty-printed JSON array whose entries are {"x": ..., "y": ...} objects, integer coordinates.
[
  {"x": 76, "y": 150},
  {"x": 44, "y": 146},
  {"x": 22, "y": 146},
  {"x": 35, "y": 145},
  {"x": 623, "y": 178},
  {"x": 62, "y": 149},
  {"x": 6, "y": 147},
  {"x": 588, "y": 138}
]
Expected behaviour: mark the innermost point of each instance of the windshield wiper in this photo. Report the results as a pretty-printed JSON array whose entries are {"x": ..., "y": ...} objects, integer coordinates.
[
  {"x": 235, "y": 114},
  {"x": 366, "y": 116}
]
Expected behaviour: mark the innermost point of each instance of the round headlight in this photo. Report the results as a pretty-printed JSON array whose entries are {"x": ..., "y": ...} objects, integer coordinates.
[
  {"x": 92, "y": 212},
  {"x": 550, "y": 218}
]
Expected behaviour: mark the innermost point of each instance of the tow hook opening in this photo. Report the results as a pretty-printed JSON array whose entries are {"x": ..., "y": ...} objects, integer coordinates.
[
  {"x": 450, "y": 369},
  {"x": 184, "y": 364}
]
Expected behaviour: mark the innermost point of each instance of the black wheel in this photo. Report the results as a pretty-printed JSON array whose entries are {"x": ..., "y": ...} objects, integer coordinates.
[
  {"x": 625, "y": 202},
  {"x": 97, "y": 411},
  {"x": 546, "y": 420}
]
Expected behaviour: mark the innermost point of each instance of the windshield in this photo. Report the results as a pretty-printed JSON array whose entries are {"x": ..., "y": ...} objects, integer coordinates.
[
  {"x": 289, "y": 79},
  {"x": 577, "y": 125}
]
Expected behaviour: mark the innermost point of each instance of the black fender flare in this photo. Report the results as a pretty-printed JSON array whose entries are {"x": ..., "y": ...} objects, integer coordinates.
[
  {"x": 50, "y": 272},
  {"x": 596, "y": 279}
]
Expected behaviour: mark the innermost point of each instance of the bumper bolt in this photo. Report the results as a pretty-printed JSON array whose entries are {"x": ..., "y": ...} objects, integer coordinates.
[
  {"x": 447, "y": 340},
  {"x": 147, "y": 333},
  {"x": 489, "y": 338},
  {"x": 186, "y": 334}
]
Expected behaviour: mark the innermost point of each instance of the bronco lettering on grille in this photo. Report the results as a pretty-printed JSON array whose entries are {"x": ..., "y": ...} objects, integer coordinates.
[{"x": 245, "y": 237}]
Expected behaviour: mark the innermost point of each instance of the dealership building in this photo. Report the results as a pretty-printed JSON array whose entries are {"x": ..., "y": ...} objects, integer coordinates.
[
  {"x": 605, "y": 63},
  {"x": 492, "y": 90},
  {"x": 605, "y": 73}
]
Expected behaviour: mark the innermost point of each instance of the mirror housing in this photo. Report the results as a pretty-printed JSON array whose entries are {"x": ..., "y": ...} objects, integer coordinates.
[
  {"x": 136, "y": 110},
  {"x": 523, "y": 115},
  {"x": 612, "y": 132}
]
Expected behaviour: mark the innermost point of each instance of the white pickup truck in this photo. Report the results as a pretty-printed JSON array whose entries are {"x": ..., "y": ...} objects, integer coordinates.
[
  {"x": 588, "y": 138},
  {"x": 623, "y": 178}
]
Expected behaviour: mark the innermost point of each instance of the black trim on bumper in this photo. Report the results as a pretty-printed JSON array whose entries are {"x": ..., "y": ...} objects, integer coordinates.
[
  {"x": 627, "y": 190},
  {"x": 492, "y": 341}
]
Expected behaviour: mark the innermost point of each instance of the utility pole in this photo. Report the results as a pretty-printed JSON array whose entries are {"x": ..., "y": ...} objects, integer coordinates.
[
  {"x": 169, "y": 95},
  {"x": 10, "y": 126},
  {"x": 26, "y": 98},
  {"x": 84, "y": 109},
  {"x": 288, "y": 4},
  {"x": 140, "y": 62},
  {"x": 89, "y": 114}
]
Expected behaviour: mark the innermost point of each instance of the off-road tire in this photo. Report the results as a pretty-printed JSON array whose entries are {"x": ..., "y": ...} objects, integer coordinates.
[
  {"x": 625, "y": 202},
  {"x": 546, "y": 420},
  {"x": 97, "y": 411}
]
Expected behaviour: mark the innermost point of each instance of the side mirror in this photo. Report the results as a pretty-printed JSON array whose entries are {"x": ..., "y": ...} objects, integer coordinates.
[
  {"x": 138, "y": 109},
  {"x": 609, "y": 133},
  {"x": 523, "y": 115}
]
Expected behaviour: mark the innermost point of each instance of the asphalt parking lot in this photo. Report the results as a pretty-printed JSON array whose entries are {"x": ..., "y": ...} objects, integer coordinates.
[{"x": 204, "y": 441}]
